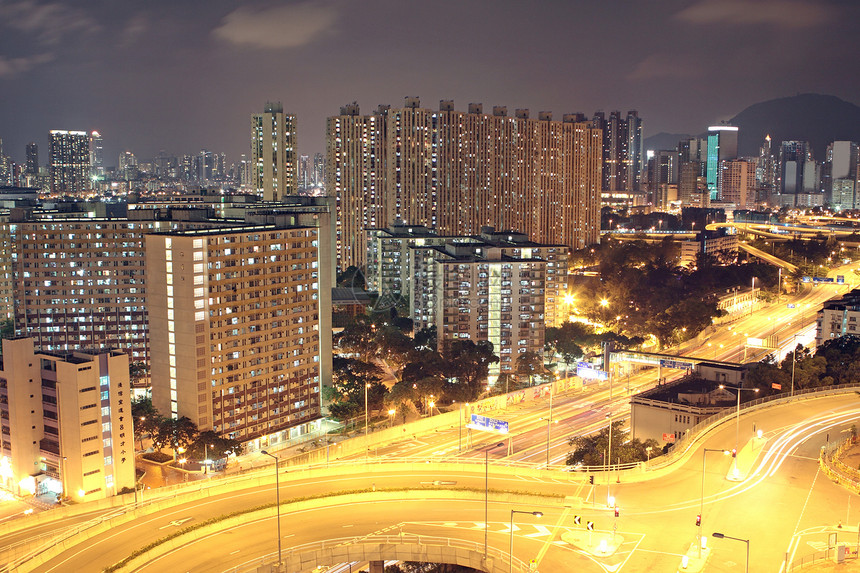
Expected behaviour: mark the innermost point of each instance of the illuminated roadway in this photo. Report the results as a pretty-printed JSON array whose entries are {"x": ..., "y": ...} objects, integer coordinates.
[
  {"x": 575, "y": 414},
  {"x": 784, "y": 506}
]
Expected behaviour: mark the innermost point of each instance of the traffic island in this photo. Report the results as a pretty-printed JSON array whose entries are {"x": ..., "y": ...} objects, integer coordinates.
[
  {"x": 745, "y": 459},
  {"x": 595, "y": 543},
  {"x": 693, "y": 561}
]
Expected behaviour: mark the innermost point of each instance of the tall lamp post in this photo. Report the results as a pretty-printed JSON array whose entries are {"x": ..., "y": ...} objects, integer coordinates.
[
  {"x": 738, "y": 415},
  {"x": 793, "y": 362},
  {"x": 702, "y": 499},
  {"x": 277, "y": 502},
  {"x": 511, "y": 551},
  {"x": 366, "y": 387},
  {"x": 747, "y": 541},
  {"x": 487, "y": 492},
  {"x": 549, "y": 423}
]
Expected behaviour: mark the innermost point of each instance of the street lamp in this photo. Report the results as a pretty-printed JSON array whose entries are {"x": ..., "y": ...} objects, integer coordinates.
[
  {"x": 549, "y": 423},
  {"x": 391, "y": 417},
  {"x": 487, "y": 492},
  {"x": 702, "y": 499},
  {"x": 738, "y": 415},
  {"x": 366, "y": 387},
  {"x": 511, "y": 552},
  {"x": 277, "y": 502},
  {"x": 747, "y": 541}
]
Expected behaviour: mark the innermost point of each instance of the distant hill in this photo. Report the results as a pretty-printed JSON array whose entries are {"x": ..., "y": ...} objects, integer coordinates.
[
  {"x": 664, "y": 140},
  {"x": 816, "y": 118}
]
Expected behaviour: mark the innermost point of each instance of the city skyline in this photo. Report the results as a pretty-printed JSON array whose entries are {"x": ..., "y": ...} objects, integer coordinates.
[{"x": 53, "y": 61}]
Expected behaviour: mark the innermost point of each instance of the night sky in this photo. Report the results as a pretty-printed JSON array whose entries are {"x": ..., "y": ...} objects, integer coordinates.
[{"x": 182, "y": 75}]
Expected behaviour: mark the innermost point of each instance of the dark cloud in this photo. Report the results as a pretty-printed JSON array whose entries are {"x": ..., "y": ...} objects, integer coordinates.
[
  {"x": 182, "y": 76},
  {"x": 48, "y": 22},
  {"x": 10, "y": 67}
]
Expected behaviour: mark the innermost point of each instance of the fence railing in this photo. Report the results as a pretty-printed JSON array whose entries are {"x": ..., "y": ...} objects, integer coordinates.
[{"x": 400, "y": 541}]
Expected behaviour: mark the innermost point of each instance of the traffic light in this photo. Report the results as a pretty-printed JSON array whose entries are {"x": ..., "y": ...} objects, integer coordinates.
[
  {"x": 616, "y": 511},
  {"x": 734, "y": 452},
  {"x": 591, "y": 480},
  {"x": 698, "y": 520}
]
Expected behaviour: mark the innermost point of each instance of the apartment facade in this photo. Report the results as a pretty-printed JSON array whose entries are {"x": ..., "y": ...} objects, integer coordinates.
[
  {"x": 738, "y": 183},
  {"x": 455, "y": 172},
  {"x": 493, "y": 297},
  {"x": 78, "y": 281},
  {"x": 66, "y": 422},
  {"x": 235, "y": 316}
]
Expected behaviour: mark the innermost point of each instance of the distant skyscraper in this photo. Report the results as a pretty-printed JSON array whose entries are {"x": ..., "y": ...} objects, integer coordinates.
[
  {"x": 840, "y": 163},
  {"x": 635, "y": 150},
  {"x": 794, "y": 160},
  {"x": 722, "y": 145},
  {"x": 319, "y": 169},
  {"x": 457, "y": 172},
  {"x": 97, "y": 157},
  {"x": 738, "y": 182},
  {"x": 70, "y": 162},
  {"x": 766, "y": 171},
  {"x": 304, "y": 172},
  {"x": 663, "y": 171},
  {"x": 32, "y": 159},
  {"x": 273, "y": 152}
]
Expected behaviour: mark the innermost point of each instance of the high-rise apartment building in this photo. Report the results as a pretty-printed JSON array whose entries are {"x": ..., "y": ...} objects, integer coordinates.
[
  {"x": 482, "y": 294},
  {"x": 238, "y": 334},
  {"x": 622, "y": 154},
  {"x": 406, "y": 266},
  {"x": 274, "y": 146},
  {"x": 79, "y": 278},
  {"x": 456, "y": 172},
  {"x": 70, "y": 163},
  {"x": 66, "y": 422},
  {"x": 722, "y": 145}
]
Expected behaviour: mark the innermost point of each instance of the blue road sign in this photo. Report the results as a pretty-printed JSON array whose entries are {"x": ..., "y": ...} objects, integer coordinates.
[
  {"x": 676, "y": 364},
  {"x": 488, "y": 424}
]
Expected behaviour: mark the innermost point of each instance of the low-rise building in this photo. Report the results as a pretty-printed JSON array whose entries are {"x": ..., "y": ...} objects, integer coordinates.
[
  {"x": 666, "y": 412},
  {"x": 66, "y": 422},
  {"x": 838, "y": 317}
]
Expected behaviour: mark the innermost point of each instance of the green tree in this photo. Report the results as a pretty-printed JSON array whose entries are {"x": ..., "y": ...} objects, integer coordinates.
[
  {"x": 209, "y": 443},
  {"x": 468, "y": 365},
  {"x": 175, "y": 433},
  {"x": 146, "y": 418},
  {"x": 529, "y": 365},
  {"x": 590, "y": 450}
]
